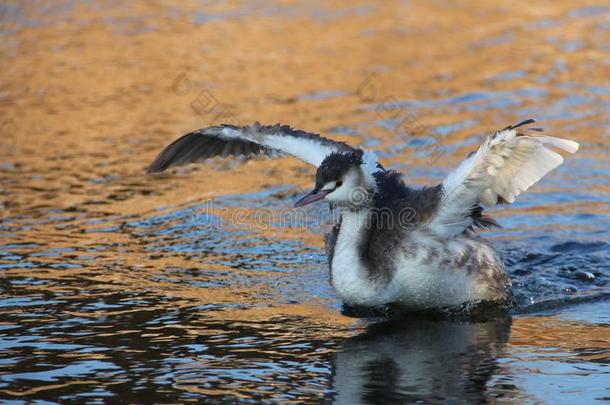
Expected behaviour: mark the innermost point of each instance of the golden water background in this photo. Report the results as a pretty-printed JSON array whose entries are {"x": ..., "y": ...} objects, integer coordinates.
[{"x": 91, "y": 91}]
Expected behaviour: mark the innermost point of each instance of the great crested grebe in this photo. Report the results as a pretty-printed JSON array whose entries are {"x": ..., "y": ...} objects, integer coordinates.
[{"x": 430, "y": 258}]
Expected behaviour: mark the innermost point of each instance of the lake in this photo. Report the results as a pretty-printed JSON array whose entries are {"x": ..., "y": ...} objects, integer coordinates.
[{"x": 198, "y": 284}]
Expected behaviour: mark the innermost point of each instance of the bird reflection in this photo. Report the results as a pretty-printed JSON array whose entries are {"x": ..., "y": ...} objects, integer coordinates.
[{"x": 419, "y": 359}]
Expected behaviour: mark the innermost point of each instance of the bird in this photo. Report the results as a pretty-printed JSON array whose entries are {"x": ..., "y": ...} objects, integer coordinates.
[{"x": 413, "y": 248}]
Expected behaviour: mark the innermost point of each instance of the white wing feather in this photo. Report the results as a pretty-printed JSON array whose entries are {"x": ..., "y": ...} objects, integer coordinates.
[
  {"x": 505, "y": 165},
  {"x": 308, "y": 149}
]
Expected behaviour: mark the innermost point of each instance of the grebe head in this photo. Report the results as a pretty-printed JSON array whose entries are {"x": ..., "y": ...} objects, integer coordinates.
[{"x": 341, "y": 180}]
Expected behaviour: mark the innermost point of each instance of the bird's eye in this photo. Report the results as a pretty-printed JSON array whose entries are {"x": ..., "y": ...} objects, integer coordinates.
[{"x": 338, "y": 184}]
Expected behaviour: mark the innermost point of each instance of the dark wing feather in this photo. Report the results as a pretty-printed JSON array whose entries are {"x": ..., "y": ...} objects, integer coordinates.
[
  {"x": 230, "y": 140},
  {"x": 196, "y": 147}
]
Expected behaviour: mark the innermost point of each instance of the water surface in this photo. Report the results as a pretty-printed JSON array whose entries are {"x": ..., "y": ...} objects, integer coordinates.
[{"x": 146, "y": 288}]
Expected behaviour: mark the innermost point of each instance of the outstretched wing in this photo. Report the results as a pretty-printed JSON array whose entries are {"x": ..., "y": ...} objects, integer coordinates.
[
  {"x": 505, "y": 165},
  {"x": 230, "y": 140}
]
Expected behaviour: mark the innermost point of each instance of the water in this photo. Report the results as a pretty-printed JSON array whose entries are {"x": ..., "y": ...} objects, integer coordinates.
[{"x": 120, "y": 285}]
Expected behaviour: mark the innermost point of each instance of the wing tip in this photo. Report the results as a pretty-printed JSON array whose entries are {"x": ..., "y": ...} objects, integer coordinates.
[
  {"x": 153, "y": 170},
  {"x": 572, "y": 146},
  {"x": 157, "y": 166},
  {"x": 565, "y": 144}
]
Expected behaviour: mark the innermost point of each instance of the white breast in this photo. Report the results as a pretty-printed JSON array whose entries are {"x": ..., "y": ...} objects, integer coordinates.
[
  {"x": 421, "y": 279},
  {"x": 349, "y": 276}
]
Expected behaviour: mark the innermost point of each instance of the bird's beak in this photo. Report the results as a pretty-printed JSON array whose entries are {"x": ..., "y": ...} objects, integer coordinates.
[{"x": 313, "y": 196}]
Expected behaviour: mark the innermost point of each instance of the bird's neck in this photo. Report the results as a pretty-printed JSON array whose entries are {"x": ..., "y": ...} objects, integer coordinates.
[
  {"x": 355, "y": 220},
  {"x": 349, "y": 276}
]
